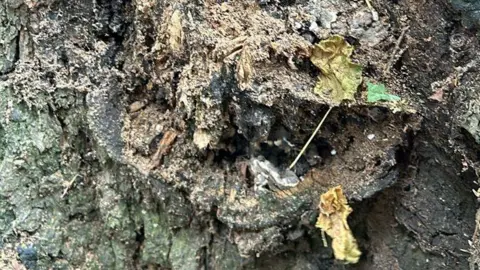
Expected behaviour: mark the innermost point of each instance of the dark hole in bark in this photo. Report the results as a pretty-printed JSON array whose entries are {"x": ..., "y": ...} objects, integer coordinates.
[
  {"x": 369, "y": 70},
  {"x": 352, "y": 41},
  {"x": 238, "y": 148},
  {"x": 154, "y": 143}
]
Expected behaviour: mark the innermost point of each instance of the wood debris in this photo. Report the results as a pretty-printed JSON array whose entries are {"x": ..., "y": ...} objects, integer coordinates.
[
  {"x": 175, "y": 32},
  {"x": 163, "y": 148}
]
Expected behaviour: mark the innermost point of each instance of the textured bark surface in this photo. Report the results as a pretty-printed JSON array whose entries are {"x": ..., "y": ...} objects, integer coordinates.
[{"x": 126, "y": 130}]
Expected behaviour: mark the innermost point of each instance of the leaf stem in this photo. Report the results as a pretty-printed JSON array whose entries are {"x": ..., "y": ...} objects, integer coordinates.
[{"x": 310, "y": 140}]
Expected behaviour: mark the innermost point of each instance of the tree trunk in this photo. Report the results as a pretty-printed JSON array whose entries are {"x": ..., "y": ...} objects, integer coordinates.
[{"x": 129, "y": 131}]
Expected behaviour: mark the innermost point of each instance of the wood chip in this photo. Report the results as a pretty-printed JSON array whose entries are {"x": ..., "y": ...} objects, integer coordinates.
[
  {"x": 437, "y": 95},
  {"x": 163, "y": 148},
  {"x": 136, "y": 106},
  {"x": 175, "y": 31}
]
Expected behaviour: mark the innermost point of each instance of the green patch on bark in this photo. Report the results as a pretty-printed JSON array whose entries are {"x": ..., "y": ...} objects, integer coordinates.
[
  {"x": 156, "y": 245},
  {"x": 186, "y": 249}
]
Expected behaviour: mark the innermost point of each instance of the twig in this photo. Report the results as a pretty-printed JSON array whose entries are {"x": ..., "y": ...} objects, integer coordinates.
[
  {"x": 310, "y": 140},
  {"x": 368, "y": 4},
  {"x": 324, "y": 239},
  {"x": 372, "y": 10},
  {"x": 397, "y": 47},
  {"x": 69, "y": 185}
]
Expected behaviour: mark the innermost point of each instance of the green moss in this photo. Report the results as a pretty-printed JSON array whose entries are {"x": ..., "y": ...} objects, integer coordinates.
[
  {"x": 9, "y": 25},
  {"x": 51, "y": 239},
  {"x": 122, "y": 255},
  {"x": 225, "y": 255},
  {"x": 6, "y": 218},
  {"x": 156, "y": 245},
  {"x": 186, "y": 248},
  {"x": 105, "y": 254}
]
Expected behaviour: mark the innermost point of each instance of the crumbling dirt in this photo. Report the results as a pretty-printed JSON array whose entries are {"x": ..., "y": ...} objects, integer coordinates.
[{"x": 259, "y": 93}]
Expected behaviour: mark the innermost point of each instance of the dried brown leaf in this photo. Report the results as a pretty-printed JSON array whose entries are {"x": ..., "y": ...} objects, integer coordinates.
[{"x": 334, "y": 210}]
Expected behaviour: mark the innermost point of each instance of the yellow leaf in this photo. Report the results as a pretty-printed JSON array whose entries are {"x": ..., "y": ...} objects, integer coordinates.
[
  {"x": 334, "y": 210},
  {"x": 340, "y": 77}
]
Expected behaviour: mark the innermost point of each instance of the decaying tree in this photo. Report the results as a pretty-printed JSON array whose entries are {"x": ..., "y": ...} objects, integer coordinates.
[{"x": 153, "y": 134}]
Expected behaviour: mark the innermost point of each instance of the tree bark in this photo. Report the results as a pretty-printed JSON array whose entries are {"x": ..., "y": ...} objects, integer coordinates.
[{"x": 128, "y": 130}]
